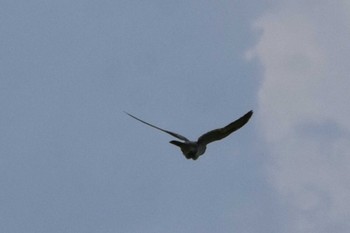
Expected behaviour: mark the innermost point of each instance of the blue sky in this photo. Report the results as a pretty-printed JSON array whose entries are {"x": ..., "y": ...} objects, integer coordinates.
[{"x": 72, "y": 161}]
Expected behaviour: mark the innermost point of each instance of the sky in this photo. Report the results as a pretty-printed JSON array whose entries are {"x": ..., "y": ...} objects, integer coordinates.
[{"x": 72, "y": 161}]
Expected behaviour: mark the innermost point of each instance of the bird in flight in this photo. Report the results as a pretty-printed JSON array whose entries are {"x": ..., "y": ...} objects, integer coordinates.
[{"x": 194, "y": 149}]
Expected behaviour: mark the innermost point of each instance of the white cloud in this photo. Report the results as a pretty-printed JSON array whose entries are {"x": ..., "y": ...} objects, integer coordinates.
[{"x": 304, "y": 110}]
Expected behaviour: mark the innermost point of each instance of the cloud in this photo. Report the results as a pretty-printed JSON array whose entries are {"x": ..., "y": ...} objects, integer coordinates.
[{"x": 304, "y": 111}]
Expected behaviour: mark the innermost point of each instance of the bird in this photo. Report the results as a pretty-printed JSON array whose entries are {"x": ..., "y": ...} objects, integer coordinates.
[{"x": 194, "y": 149}]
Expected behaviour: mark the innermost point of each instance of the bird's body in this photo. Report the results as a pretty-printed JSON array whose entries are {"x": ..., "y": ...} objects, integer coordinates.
[
  {"x": 191, "y": 149},
  {"x": 194, "y": 149}
]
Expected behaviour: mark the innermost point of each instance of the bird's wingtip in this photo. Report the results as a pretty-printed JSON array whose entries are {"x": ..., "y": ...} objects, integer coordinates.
[{"x": 127, "y": 113}]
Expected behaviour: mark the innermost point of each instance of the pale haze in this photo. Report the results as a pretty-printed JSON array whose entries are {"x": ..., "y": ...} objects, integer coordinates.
[{"x": 72, "y": 161}]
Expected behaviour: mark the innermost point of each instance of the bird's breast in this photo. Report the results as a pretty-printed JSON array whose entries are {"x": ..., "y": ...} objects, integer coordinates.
[{"x": 201, "y": 149}]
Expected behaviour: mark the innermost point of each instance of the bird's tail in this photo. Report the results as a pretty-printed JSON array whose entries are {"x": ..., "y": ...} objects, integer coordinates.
[
  {"x": 184, "y": 148},
  {"x": 177, "y": 143}
]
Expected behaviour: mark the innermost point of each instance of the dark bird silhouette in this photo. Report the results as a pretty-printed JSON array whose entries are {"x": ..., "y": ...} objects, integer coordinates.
[{"x": 194, "y": 149}]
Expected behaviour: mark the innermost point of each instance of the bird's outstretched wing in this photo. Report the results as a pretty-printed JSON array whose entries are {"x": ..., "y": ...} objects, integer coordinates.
[
  {"x": 221, "y": 133},
  {"x": 165, "y": 131}
]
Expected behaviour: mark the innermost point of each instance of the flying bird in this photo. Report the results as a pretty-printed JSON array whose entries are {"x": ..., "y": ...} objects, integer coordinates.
[{"x": 194, "y": 149}]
